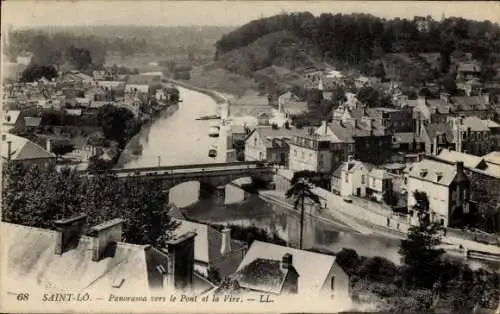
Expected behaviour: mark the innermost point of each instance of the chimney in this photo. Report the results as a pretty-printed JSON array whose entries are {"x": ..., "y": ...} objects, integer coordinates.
[
  {"x": 445, "y": 97},
  {"x": 104, "y": 235},
  {"x": 435, "y": 142},
  {"x": 69, "y": 231},
  {"x": 225, "y": 248},
  {"x": 286, "y": 261},
  {"x": 180, "y": 252},
  {"x": 9, "y": 150},
  {"x": 324, "y": 126},
  {"x": 421, "y": 100},
  {"x": 48, "y": 145}
]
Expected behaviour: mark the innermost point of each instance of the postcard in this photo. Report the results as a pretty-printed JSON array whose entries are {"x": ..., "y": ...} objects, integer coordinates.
[{"x": 250, "y": 156}]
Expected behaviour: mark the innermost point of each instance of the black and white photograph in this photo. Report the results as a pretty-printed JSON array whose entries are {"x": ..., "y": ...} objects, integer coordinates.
[{"x": 250, "y": 156}]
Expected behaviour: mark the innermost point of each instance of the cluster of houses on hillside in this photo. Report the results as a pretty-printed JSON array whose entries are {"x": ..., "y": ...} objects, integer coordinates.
[
  {"x": 65, "y": 108},
  {"x": 378, "y": 152}
]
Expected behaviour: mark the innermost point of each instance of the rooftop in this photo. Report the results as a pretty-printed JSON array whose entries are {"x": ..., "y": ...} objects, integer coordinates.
[
  {"x": 313, "y": 268},
  {"x": 22, "y": 148},
  {"x": 476, "y": 124},
  {"x": 432, "y": 170},
  {"x": 470, "y": 161},
  {"x": 493, "y": 157},
  {"x": 207, "y": 244},
  {"x": 262, "y": 275}
]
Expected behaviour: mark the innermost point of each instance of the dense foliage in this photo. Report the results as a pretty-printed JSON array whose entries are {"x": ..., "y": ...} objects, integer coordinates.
[
  {"x": 357, "y": 38},
  {"x": 118, "y": 124},
  {"x": 34, "y": 72},
  {"x": 36, "y": 196}
]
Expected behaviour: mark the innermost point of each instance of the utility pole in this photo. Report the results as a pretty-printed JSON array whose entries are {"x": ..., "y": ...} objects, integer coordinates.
[{"x": 159, "y": 161}]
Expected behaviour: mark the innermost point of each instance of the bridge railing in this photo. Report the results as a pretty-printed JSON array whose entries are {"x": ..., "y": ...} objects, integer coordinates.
[{"x": 196, "y": 167}]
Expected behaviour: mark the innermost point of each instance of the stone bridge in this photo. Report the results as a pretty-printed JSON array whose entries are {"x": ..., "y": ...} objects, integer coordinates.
[{"x": 212, "y": 177}]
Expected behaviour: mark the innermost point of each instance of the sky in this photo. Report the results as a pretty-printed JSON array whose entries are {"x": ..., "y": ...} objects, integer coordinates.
[{"x": 29, "y": 13}]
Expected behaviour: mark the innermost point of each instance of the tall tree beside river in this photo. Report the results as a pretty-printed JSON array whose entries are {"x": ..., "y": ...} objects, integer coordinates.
[{"x": 301, "y": 191}]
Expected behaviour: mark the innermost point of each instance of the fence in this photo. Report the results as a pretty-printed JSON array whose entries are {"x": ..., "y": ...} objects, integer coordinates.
[{"x": 474, "y": 236}]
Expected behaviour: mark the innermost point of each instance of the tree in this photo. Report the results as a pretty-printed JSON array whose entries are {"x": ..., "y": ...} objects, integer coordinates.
[
  {"x": 117, "y": 123},
  {"x": 338, "y": 96},
  {"x": 420, "y": 257},
  {"x": 36, "y": 196},
  {"x": 369, "y": 96},
  {"x": 449, "y": 85},
  {"x": 301, "y": 190},
  {"x": 34, "y": 72},
  {"x": 61, "y": 148},
  {"x": 421, "y": 206},
  {"x": 379, "y": 70}
]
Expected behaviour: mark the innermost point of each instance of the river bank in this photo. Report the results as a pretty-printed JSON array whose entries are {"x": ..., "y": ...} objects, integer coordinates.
[{"x": 134, "y": 144}]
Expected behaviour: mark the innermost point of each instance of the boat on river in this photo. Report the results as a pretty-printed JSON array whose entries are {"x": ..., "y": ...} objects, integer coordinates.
[
  {"x": 212, "y": 151},
  {"x": 213, "y": 131},
  {"x": 209, "y": 117}
]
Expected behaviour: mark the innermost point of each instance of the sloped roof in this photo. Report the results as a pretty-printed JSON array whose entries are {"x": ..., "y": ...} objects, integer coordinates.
[
  {"x": 475, "y": 124},
  {"x": 353, "y": 165},
  {"x": 32, "y": 261},
  {"x": 428, "y": 170},
  {"x": 493, "y": 157},
  {"x": 267, "y": 134},
  {"x": 491, "y": 124},
  {"x": 313, "y": 268},
  {"x": 262, "y": 275},
  {"x": 470, "y": 161},
  {"x": 23, "y": 149},
  {"x": 11, "y": 116},
  {"x": 31, "y": 256},
  {"x": 207, "y": 244}
]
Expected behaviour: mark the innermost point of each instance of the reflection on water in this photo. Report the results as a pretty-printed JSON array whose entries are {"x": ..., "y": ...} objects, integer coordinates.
[
  {"x": 286, "y": 224},
  {"x": 179, "y": 139}
]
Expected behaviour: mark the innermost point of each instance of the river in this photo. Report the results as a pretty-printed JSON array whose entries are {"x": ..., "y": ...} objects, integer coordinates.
[{"x": 179, "y": 139}]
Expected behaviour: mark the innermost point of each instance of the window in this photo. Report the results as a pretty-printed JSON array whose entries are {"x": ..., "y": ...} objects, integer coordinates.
[
  {"x": 332, "y": 283},
  {"x": 255, "y": 141},
  {"x": 363, "y": 179},
  {"x": 261, "y": 156}
]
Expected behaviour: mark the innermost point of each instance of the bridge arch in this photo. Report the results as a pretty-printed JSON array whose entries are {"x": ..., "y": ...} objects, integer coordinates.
[{"x": 207, "y": 187}]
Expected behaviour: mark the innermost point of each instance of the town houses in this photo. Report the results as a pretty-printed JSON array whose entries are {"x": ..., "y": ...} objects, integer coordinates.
[
  {"x": 65, "y": 110},
  {"x": 327, "y": 180}
]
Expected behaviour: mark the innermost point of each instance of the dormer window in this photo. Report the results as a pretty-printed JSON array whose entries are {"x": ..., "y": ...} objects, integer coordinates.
[
  {"x": 423, "y": 173},
  {"x": 439, "y": 176}
]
